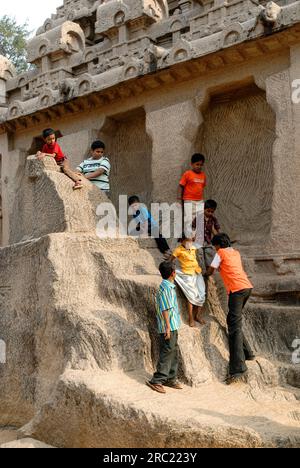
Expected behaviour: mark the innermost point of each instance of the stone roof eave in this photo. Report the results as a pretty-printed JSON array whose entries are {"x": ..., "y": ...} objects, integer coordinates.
[{"x": 274, "y": 43}]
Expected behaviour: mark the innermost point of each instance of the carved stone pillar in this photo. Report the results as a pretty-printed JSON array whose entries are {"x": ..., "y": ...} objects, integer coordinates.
[
  {"x": 284, "y": 232},
  {"x": 173, "y": 130},
  {"x": 295, "y": 169},
  {"x": 12, "y": 163},
  {"x": 2, "y": 91},
  {"x": 7, "y": 71}
]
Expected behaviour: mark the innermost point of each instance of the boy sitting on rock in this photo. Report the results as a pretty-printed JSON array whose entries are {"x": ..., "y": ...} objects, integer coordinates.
[
  {"x": 52, "y": 149},
  {"x": 97, "y": 167}
]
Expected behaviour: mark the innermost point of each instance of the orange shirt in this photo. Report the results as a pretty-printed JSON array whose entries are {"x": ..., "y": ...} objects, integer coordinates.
[
  {"x": 194, "y": 185},
  {"x": 232, "y": 271}
]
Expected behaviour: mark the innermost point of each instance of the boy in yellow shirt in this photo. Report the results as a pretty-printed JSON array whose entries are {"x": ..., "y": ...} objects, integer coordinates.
[{"x": 190, "y": 279}]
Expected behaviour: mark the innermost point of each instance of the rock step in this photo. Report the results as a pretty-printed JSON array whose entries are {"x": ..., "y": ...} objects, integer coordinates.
[
  {"x": 126, "y": 413},
  {"x": 278, "y": 328}
]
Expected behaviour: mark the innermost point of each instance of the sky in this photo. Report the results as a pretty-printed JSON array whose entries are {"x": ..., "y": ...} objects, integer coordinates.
[{"x": 35, "y": 11}]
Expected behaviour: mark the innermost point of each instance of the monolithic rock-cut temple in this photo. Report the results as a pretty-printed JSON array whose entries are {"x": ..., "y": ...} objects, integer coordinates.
[{"x": 156, "y": 80}]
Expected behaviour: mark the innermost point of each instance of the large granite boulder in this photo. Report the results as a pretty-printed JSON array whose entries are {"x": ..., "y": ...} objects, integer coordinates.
[{"x": 77, "y": 317}]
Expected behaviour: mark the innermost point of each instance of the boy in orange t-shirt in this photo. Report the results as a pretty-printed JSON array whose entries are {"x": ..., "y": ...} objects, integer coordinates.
[
  {"x": 191, "y": 195},
  {"x": 228, "y": 261}
]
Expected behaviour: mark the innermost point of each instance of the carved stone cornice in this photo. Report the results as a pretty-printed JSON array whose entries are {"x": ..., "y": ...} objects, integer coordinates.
[{"x": 178, "y": 73}]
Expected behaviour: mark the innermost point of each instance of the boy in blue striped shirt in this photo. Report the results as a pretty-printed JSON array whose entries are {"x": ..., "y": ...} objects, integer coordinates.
[{"x": 168, "y": 321}]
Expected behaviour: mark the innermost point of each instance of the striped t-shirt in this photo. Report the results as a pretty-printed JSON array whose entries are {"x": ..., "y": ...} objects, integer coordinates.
[
  {"x": 166, "y": 300},
  {"x": 93, "y": 165}
]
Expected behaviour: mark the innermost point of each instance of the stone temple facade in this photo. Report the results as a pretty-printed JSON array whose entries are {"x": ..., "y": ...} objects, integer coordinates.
[{"x": 157, "y": 80}]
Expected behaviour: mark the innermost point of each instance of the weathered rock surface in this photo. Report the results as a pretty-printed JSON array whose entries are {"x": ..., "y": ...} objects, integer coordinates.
[
  {"x": 77, "y": 316},
  {"x": 7, "y": 434},
  {"x": 25, "y": 443}
]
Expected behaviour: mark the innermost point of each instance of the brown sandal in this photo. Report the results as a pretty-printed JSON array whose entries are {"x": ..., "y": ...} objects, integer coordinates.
[
  {"x": 156, "y": 387},
  {"x": 176, "y": 385}
]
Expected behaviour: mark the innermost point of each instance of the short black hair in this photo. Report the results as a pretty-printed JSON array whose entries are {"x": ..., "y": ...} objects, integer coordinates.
[
  {"x": 210, "y": 204},
  {"x": 97, "y": 145},
  {"x": 222, "y": 240},
  {"x": 47, "y": 132},
  {"x": 198, "y": 157},
  {"x": 133, "y": 199},
  {"x": 184, "y": 237},
  {"x": 166, "y": 269}
]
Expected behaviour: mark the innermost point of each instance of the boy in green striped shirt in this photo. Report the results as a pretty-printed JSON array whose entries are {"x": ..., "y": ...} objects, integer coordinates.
[
  {"x": 168, "y": 321},
  {"x": 97, "y": 168}
]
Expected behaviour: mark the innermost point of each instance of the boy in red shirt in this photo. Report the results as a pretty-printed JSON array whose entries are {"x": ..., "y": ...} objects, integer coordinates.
[
  {"x": 191, "y": 195},
  {"x": 228, "y": 261},
  {"x": 51, "y": 148}
]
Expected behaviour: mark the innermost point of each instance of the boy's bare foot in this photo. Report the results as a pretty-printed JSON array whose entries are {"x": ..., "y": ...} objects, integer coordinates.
[
  {"x": 198, "y": 314},
  {"x": 78, "y": 185},
  {"x": 200, "y": 320},
  {"x": 192, "y": 323}
]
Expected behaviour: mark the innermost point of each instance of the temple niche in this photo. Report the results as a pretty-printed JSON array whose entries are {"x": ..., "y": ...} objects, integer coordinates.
[
  {"x": 130, "y": 157},
  {"x": 240, "y": 170}
]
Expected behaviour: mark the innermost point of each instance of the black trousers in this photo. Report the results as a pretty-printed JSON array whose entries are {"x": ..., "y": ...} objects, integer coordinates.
[
  {"x": 239, "y": 348},
  {"x": 162, "y": 244},
  {"x": 167, "y": 367}
]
